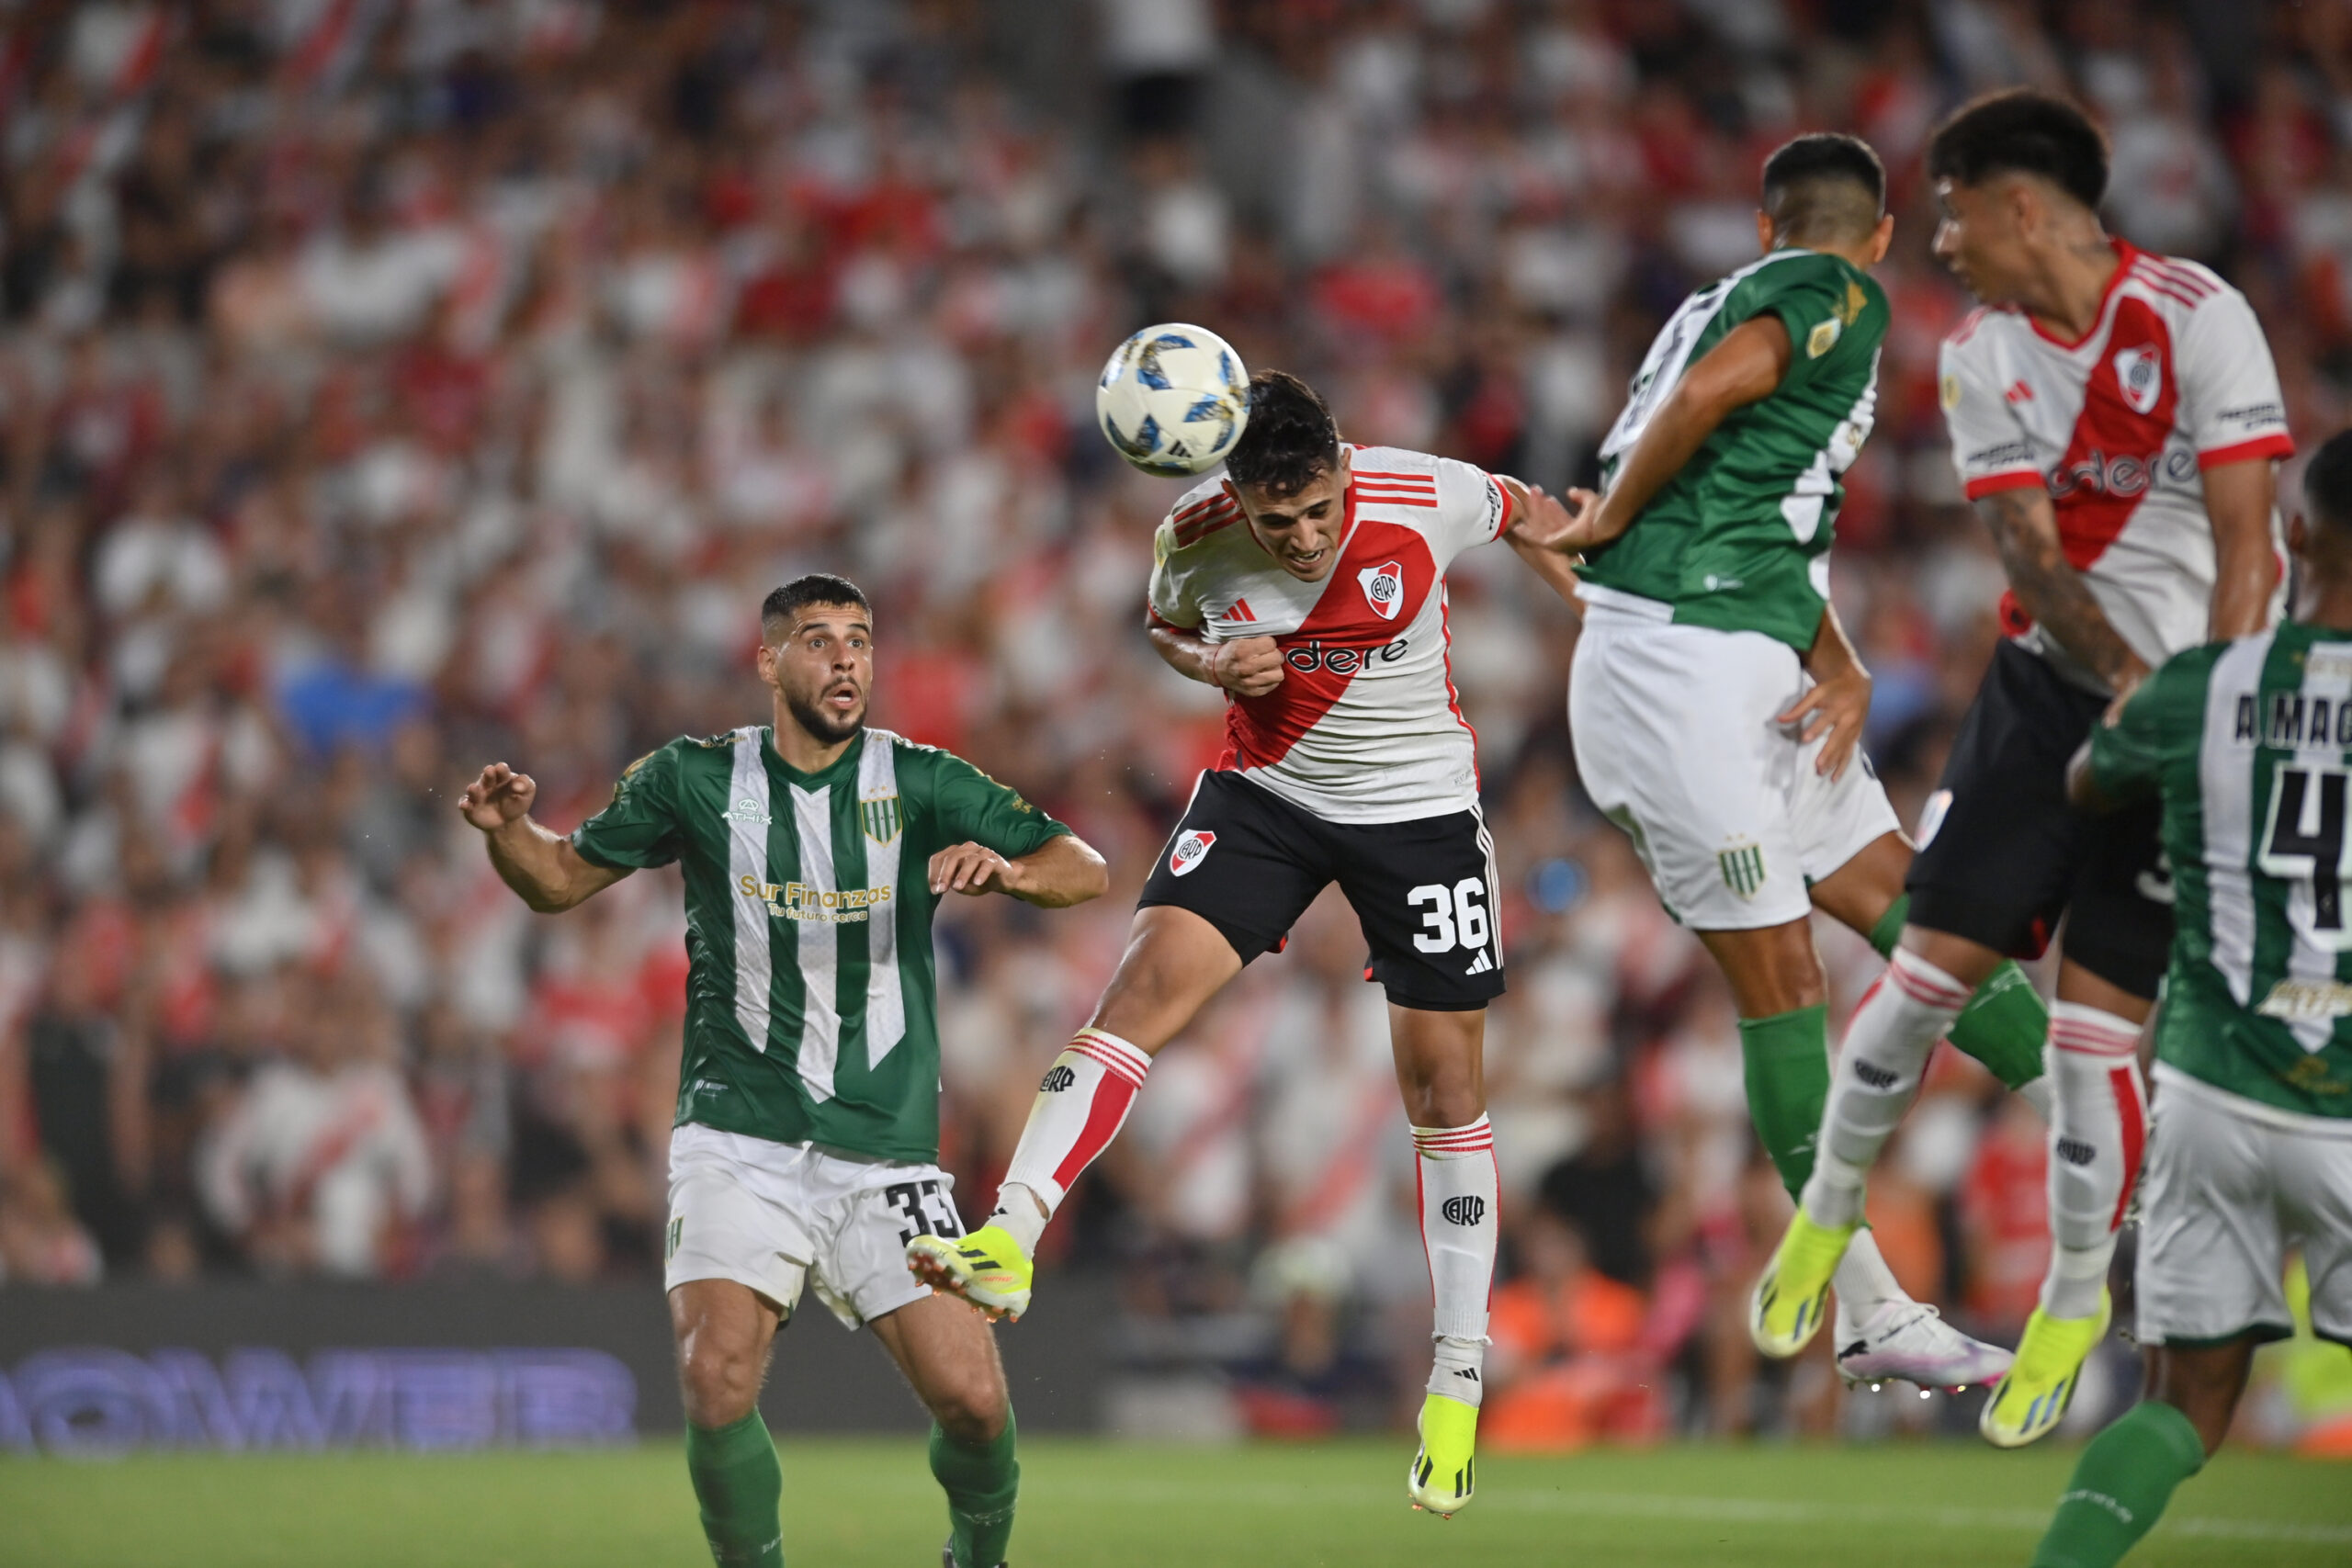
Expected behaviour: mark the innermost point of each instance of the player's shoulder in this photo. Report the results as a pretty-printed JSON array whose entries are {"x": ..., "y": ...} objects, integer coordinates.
[
  {"x": 1794, "y": 271},
  {"x": 2177, "y": 284},
  {"x": 1200, "y": 515},
  {"x": 1979, "y": 333}
]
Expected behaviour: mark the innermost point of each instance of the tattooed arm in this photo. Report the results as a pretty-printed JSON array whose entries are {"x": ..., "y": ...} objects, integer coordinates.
[{"x": 2025, "y": 530}]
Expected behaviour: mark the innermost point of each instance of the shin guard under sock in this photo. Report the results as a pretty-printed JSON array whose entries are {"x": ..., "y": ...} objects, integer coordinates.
[
  {"x": 981, "y": 1482},
  {"x": 1461, "y": 1202},
  {"x": 1080, "y": 1105},
  {"x": 739, "y": 1485}
]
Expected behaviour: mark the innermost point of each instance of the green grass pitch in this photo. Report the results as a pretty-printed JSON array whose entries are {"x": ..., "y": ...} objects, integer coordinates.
[{"x": 870, "y": 1502}]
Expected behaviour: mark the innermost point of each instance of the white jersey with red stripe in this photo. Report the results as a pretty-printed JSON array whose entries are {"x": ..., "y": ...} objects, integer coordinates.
[
  {"x": 1365, "y": 725},
  {"x": 2173, "y": 379}
]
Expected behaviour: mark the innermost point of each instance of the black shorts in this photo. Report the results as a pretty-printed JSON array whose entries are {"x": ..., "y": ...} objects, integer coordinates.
[
  {"x": 2002, "y": 855},
  {"x": 1249, "y": 863}
]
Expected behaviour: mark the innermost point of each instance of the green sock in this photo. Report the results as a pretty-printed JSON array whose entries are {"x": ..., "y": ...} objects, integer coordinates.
[
  {"x": 1787, "y": 1061},
  {"x": 740, "y": 1485},
  {"x": 2004, "y": 1023},
  {"x": 981, "y": 1482},
  {"x": 2119, "y": 1487}
]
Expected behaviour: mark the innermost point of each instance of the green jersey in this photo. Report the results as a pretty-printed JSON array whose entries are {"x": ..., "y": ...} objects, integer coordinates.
[
  {"x": 1739, "y": 538},
  {"x": 2250, "y": 745},
  {"x": 811, "y": 1004}
]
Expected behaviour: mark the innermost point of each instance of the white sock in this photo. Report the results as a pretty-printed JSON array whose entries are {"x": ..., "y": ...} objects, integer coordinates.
[
  {"x": 1081, "y": 1103},
  {"x": 1461, "y": 1202},
  {"x": 1863, "y": 1281},
  {"x": 2097, "y": 1133},
  {"x": 1458, "y": 1368},
  {"x": 1878, "y": 1072},
  {"x": 2042, "y": 1097}
]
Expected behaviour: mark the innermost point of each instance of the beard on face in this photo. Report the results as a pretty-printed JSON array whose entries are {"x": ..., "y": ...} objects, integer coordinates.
[{"x": 822, "y": 722}]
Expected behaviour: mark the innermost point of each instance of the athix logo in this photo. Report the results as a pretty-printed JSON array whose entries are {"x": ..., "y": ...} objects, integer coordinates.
[
  {"x": 2140, "y": 372},
  {"x": 1466, "y": 1210},
  {"x": 1191, "y": 847},
  {"x": 1383, "y": 585},
  {"x": 1057, "y": 1078},
  {"x": 744, "y": 811}
]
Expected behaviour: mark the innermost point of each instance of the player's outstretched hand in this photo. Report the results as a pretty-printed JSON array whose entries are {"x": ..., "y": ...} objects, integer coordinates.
[
  {"x": 1248, "y": 667},
  {"x": 498, "y": 797},
  {"x": 1838, "y": 708},
  {"x": 1568, "y": 530},
  {"x": 972, "y": 869}
]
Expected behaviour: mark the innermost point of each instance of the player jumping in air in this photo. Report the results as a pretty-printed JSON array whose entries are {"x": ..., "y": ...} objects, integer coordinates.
[
  {"x": 2246, "y": 748},
  {"x": 1309, "y": 584},
  {"x": 1715, "y": 702},
  {"x": 2114, "y": 417},
  {"x": 814, "y": 850}
]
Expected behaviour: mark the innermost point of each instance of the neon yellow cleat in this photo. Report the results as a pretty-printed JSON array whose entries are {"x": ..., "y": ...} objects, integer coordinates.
[
  {"x": 1445, "y": 1470},
  {"x": 986, "y": 1269},
  {"x": 2033, "y": 1398},
  {"x": 1791, "y": 1300}
]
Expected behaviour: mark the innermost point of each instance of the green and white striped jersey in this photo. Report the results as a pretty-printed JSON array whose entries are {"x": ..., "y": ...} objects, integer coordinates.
[
  {"x": 1739, "y": 539},
  {"x": 811, "y": 1001},
  {"x": 2250, "y": 745}
]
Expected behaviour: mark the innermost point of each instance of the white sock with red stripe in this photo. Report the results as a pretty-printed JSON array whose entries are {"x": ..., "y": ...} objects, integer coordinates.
[
  {"x": 1460, "y": 1205},
  {"x": 2096, "y": 1139},
  {"x": 1878, "y": 1072},
  {"x": 1080, "y": 1105}
]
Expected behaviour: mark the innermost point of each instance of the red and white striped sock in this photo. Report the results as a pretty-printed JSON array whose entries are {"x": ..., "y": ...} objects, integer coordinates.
[
  {"x": 1461, "y": 1216},
  {"x": 1878, "y": 1072},
  {"x": 1080, "y": 1105},
  {"x": 2097, "y": 1133}
]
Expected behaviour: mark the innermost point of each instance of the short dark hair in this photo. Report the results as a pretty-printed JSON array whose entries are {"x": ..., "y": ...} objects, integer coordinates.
[
  {"x": 2025, "y": 132},
  {"x": 815, "y": 588},
  {"x": 2327, "y": 484},
  {"x": 1823, "y": 184},
  {"x": 1290, "y": 437}
]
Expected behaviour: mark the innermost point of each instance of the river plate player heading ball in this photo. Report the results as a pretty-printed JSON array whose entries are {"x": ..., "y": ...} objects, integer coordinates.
[
  {"x": 2246, "y": 746},
  {"x": 2114, "y": 417},
  {"x": 814, "y": 850},
  {"x": 1715, "y": 702},
  {"x": 1309, "y": 583}
]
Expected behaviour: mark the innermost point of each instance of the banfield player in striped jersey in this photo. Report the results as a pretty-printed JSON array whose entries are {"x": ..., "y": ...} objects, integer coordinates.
[
  {"x": 814, "y": 850},
  {"x": 1309, "y": 582}
]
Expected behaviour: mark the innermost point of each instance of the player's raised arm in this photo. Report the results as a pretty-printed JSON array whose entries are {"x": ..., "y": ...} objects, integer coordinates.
[
  {"x": 2240, "y": 497},
  {"x": 1745, "y": 367},
  {"x": 541, "y": 866}
]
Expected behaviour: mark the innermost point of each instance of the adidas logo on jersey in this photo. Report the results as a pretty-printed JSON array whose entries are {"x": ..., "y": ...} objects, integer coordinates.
[
  {"x": 1384, "y": 586},
  {"x": 1482, "y": 965},
  {"x": 1191, "y": 847}
]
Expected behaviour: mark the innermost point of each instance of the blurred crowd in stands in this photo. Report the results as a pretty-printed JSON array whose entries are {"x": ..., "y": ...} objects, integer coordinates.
[{"x": 389, "y": 387}]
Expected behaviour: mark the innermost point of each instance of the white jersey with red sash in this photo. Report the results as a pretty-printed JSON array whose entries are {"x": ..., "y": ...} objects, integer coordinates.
[
  {"x": 2173, "y": 379},
  {"x": 1365, "y": 725}
]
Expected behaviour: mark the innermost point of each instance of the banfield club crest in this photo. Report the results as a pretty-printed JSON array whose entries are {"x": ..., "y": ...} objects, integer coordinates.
[
  {"x": 1385, "y": 586},
  {"x": 1191, "y": 847}
]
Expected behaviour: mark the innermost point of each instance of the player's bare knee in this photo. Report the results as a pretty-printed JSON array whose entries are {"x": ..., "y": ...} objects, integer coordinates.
[
  {"x": 720, "y": 1383},
  {"x": 971, "y": 1407}
]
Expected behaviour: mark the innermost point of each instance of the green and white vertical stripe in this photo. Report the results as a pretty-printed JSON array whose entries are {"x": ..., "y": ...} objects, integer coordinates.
[
  {"x": 882, "y": 817},
  {"x": 747, "y": 855}
]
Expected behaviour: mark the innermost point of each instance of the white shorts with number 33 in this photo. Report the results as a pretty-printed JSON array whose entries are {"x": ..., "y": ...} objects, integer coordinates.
[{"x": 774, "y": 1216}]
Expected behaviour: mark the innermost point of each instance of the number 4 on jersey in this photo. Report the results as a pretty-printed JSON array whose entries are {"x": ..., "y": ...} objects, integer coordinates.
[{"x": 2303, "y": 841}]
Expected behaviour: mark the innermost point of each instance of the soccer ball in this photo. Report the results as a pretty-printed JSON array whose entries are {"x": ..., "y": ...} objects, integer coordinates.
[{"x": 1174, "y": 399}]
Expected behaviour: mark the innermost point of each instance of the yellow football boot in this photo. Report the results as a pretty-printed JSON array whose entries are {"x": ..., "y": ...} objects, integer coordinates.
[
  {"x": 2033, "y": 1398},
  {"x": 1445, "y": 1470},
  {"x": 986, "y": 1269},
  {"x": 1791, "y": 1300}
]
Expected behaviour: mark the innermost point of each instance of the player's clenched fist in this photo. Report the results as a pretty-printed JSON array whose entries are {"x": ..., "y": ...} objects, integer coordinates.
[
  {"x": 1248, "y": 667},
  {"x": 498, "y": 797}
]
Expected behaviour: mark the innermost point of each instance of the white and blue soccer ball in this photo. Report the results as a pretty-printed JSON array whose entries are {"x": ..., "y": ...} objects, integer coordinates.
[{"x": 1174, "y": 399}]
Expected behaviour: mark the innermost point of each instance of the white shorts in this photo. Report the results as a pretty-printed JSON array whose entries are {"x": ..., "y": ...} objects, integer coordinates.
[
  {"x": 2231, "y": 1185},
  {"x": 1676, "y": 742},
  {"x": 773, "y": 1216}
]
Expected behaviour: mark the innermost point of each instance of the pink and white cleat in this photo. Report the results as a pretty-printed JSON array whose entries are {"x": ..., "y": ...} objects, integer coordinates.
[{"x": 1910, "y": 1342}]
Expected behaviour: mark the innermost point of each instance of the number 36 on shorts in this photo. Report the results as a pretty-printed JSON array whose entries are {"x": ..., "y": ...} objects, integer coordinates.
[{"x": 1451, "y": 917}]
